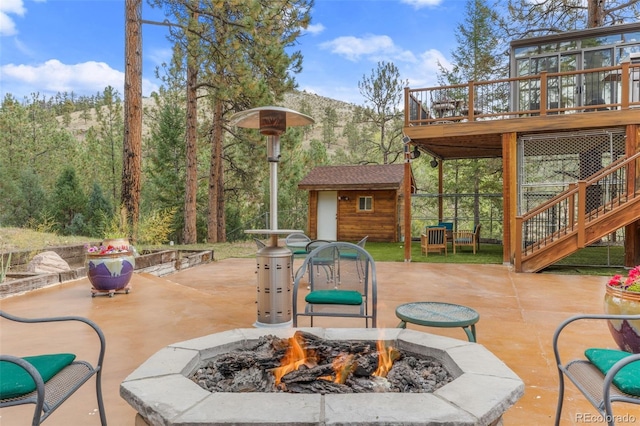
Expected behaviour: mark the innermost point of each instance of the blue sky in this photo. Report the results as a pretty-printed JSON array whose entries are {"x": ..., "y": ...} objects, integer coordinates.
[{"x": 50, "y": 46}]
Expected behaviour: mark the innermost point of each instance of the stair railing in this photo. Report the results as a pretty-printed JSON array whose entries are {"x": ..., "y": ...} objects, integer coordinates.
[{"x": 581, "y": 203}]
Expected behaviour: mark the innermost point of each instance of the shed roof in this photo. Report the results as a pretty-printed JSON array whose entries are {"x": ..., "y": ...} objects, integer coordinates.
[{"x": 380, "y": 176}]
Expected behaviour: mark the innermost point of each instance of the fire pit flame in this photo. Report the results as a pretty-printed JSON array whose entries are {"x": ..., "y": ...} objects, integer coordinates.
[
  {"x": 295, "y": 356},
  {"x": 343, "y": 365},
  {"x": 386, "y": 356}
]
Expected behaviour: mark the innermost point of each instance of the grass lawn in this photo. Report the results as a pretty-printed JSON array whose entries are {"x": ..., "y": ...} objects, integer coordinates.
[{"x": 394, "y": 252}]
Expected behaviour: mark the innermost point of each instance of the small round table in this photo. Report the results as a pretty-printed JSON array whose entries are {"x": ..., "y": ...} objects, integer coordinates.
[{"x": 437, "y": 314}]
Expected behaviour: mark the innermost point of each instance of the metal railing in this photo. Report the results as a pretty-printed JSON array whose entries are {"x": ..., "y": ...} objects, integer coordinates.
[{"x": 570, "y": 92}]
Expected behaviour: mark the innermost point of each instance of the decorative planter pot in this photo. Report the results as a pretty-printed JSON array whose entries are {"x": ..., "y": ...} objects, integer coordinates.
[
  {"x": 111, "y": 272},
  {"x": 625, "y": 333},
  {"x": 116, "y": 242}
]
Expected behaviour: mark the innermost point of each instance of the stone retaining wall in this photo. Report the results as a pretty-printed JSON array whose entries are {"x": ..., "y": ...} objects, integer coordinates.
[{"x": 158, "y": 263}]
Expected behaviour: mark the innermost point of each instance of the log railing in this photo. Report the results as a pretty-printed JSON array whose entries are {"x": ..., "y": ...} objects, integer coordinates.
[{"x": 568, "y": 92}]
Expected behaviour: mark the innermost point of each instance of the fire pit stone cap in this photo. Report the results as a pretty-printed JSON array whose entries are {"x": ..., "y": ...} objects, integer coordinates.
[
  {"x": 482, "y": 362},
  {"x": 167, "y": 361},
  {"x": 466, "y": 390},
  {"x": 161, "y": 399},
  {"x": 254, "y": 409},
  {"x": 162, "y": 393},
  {"x": 415, "y": 408}
]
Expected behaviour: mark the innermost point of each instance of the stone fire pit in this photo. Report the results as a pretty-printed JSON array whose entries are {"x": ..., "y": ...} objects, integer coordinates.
[{"x": 483, "y": 389}]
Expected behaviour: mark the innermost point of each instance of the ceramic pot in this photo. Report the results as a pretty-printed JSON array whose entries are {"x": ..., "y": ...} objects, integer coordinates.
[
  {"x": 625, "y": 333},
  {"x": 116, "y": 242},
  {"x": 110, "y": 272}
]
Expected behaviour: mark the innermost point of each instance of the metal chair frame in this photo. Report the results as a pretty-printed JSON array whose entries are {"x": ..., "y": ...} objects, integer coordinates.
[
  {"x": 50, "y": 395},
  {"x": 596, "y": 387},
  {"x": 367, "y": 283}
]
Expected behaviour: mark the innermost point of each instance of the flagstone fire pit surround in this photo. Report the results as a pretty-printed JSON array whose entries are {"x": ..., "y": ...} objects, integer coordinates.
[{"x": 484, "y": 387}]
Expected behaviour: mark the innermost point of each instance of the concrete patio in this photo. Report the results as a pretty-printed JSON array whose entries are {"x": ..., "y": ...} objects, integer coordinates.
[{"x": 518, "y": 314}]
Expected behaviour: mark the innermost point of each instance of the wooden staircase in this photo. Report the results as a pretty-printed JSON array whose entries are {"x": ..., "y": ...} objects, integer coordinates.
[{"x": 587, "y": 211}]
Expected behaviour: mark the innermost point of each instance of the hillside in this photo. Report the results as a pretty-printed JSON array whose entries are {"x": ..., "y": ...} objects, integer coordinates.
[{"x": 79, "y": 126}]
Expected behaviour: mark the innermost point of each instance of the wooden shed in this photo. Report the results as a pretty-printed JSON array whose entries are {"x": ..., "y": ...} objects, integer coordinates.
[{"x": 347, "y": 203}]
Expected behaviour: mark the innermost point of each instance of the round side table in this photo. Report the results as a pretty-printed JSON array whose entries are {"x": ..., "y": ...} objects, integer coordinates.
[{"x": 438, "y": 314}]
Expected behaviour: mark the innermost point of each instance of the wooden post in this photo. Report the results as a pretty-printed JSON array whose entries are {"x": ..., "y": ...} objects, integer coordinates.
[
  {"x": 632, "y": 231},
  {"x": 543, "y": 92},
  {"x": 511, "y": 239},
  {"x": 582, "y": 211}
]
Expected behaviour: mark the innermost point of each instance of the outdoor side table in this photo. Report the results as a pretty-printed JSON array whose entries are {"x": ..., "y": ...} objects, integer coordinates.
[{"x": 437, "y": 314}]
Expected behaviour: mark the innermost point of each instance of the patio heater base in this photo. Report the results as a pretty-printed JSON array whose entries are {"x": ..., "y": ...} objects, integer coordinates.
[{"x": 274, "y": 287}]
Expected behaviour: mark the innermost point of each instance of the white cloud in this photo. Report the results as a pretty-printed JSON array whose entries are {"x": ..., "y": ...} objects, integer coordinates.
[
  {"x": 53, "y": 76},
  {"x": 314, "y": 29},
  {"x": 424, "y": 73},
  {"x": 419, "y": 4},
  {"x": 10, "y": 7},
  {"x": 374, "y": 47}
]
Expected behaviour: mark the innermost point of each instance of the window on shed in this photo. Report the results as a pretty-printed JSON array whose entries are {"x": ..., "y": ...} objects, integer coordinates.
[{"x": 365, "y": 203}]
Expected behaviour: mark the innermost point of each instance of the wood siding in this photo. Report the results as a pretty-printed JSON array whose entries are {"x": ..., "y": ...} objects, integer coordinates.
[
  {"x": 312, "y": 217},
  {"x": 382, "y": 224}
]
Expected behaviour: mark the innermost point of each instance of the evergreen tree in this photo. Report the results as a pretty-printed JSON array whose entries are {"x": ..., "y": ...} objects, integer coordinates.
[
  {"x": 525, "y": 18},
  {"x": 68, "y": 201},
  {"x": 105, "y": 144},
  {"x": 99, "y": 212},
  {"x": 383, "y": 93},
  {"x": 243, "y": 61},
  {"x": 165, "y": 164},
  {"x": 30, "y": 201},
  {"x": 329, "y": 124},
  {"x": 476, "y": 58}
]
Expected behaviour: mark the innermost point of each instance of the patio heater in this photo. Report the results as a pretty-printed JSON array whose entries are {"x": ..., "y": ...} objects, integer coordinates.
[{"x": 273, "y": 261}]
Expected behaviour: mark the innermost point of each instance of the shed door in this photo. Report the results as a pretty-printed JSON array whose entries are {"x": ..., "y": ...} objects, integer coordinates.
[{"x": 328, "y": 215}]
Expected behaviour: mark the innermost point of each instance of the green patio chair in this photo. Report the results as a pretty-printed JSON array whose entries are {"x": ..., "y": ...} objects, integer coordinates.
[
  {"x": 48, "y": 379},
  {"x": 344, "y": 291}
]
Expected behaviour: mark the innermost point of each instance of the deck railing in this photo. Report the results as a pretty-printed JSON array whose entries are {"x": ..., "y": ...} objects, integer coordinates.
[
  {"x": 570, "y": 92},
  {"x": 583, "y": 202}
]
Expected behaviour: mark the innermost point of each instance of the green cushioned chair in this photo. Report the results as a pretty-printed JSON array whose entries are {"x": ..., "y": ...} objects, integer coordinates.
[
  {"x": 16, "y": 381},
  {"x": 337, "y": 285},
  {"x": 606, "y": 376},
  {"x": 334, "y": 297},
  {"x": 48, "y": 380},
  {"x": 627, "y": 379}
]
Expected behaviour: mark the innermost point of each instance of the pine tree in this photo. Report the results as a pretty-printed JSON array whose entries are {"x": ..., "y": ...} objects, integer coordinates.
[
  {"x": 525, "y": 18},
  {"x": 476, "y": 58},
  {"x": 99, "y": 212},
  {"x": 383, "y": 92},
  {"x": 68, "y": 202},
  {"x": 243, "y": 62}
]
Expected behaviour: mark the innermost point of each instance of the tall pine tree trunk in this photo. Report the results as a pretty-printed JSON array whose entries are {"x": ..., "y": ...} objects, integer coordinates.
[
  {"x": 132, "y": 143},
  {"x": 216, "y": 220},
  {"x": 189, "y": 234},
  {"x": 595, "y": 11}
]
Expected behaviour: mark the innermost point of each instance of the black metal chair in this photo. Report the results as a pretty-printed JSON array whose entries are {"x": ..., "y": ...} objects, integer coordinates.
[
  {"x": 598, "y": 388},
  {"x": 22, "y": 381}
]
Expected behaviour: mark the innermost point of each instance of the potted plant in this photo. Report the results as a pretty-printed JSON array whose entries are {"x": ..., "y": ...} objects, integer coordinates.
[
  {"x": 622, "y": 296},
  {"x": 111, "y": 264}
]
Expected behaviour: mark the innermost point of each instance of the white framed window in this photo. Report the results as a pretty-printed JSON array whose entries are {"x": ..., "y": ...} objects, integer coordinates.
[{"x": 365, "y": 203}]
